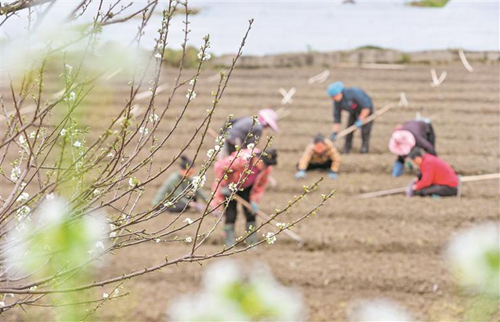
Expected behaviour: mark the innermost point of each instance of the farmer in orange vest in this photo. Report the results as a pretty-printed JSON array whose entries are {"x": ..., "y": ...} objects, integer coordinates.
[
  {"x": 320, "y": 154},
  {"x": 244, "y": 173},
  {"x": 437, "y": 177}
]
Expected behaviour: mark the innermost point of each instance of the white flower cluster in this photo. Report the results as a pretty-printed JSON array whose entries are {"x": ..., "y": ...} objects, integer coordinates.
[
  {"x": 474, "y": 258},
  {"x": 251, "y": 146},
  {"x": 158, "y": 56},
  {"x": 204, "y": 56},
  {"x": 143, "y": 130},
  {"x": 233, "y": 187},
  {"x": 153, "y": 118},
  {"x": 27, "y": 246},
  {"x": 239, "y": 293},
  {"x": 281, "y": 225},
  {"x": 15, "y": 174},
  {"x": 198, "y": 182},
  {"x": 188, "y": 221},
  {"x": 378, "y": 310},
  {"x": 133, "y": 182},
  {"x": 191, "y": 95},
  {"x": 270, "y": 238},
  {"x": 70, "y": 97}
]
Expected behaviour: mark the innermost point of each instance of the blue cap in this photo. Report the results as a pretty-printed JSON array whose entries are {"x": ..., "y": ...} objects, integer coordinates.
[{"x": 335, "y": 88}]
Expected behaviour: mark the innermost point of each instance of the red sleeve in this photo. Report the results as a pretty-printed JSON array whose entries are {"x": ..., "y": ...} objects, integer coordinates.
[
  {"x": 260, "y": 185},
  {"x": 427, "y": 176}
]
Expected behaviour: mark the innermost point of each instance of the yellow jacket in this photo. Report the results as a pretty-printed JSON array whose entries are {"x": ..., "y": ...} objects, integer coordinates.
[{"x": 310, "y": 156}]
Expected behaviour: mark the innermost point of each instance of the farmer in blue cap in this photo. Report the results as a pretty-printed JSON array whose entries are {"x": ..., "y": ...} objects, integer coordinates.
[{"x": 359, "y": 105}]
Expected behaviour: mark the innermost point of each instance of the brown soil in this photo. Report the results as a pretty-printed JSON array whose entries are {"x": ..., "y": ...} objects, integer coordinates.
[{"x": 385, "y": 247}]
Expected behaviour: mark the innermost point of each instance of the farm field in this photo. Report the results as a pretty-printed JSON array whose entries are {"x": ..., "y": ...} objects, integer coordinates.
[{"x": 387, "y": 247}]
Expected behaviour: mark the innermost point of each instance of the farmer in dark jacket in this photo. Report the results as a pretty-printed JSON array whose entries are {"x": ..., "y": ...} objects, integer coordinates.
[
  {"x": 415, "y": 133},
  {"x": 183, "y": 188},
  {"x": 245, "y": 130},
  {"x": 359, "y": 105},
  {"x": 437, "y": 177}
]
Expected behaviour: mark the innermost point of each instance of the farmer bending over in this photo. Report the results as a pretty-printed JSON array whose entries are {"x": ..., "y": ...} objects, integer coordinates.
[
  {"x": 415, "y": 133},
  {"x": 246, "y": 175},
  {"x": 359, "y": 105},
  {"x": 243, "y": 131},
  {"x": 320, "y": 154},
  {"x": 437, "y": 177},
  {"x": 184, "y": 178}
]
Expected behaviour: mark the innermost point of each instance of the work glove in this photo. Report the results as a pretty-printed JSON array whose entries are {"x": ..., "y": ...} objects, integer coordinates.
[
  {"x": 358, "y": 123},
  {"x": 300, "y": 174},
  {"x": 333, "y": 136},
  {"x": 255, "y": 207},
  {"x": 332, "y": 174},
  {"x": 409, "y": 189},
  {"x": 397, "y": 169},
  {"x": 225, "y": 191}
]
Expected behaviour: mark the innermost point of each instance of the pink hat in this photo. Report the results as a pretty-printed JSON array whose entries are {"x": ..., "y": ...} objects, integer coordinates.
[
  {"x": 269, "y": 117},
  {"x": 401, "y": 142}
]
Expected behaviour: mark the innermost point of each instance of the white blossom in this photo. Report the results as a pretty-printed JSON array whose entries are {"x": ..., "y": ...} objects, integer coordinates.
[
  {"x": 2, "y": 304},
  {"x": 15, "y": 174},
  {"x": 157, "y": 240},
  {"x": 270, "y": 238},
  {"x": 143, "y": 130},
  {"x": 198, "y": 182},
  {"x": 217, "y": 147},
  {"x": 50, "y": 196},
  {"x": 153, "y": 118},
  {"x": 22, "y": 197},
  {"x": 110, "y": 155},
  {"x": 133, "y": 182},
  {"x": 210, "y": 153},
  {"x": 191, "y": 95},
  {"x": 77, "y": 144},
  {"x": 188, "y": 239},
  {"x": 32, "y": 135},
  {"x": 233, "y": 187},
  {"x": 69, "y": 68},
  {"x": 204, "y": 56},
  {"x": 188, "y": 221},
  {"x": 474, "y": 257},
  {"x": 23, "y": 212},
  {"x": 246, "y": 156},
  {"x": 22, "y": 140},
  {"x": 99, "y": 244},
  {"x": 251, "y": 146},
  {"x": 112, "y": 234},
  {"x": 168, "y": 204},
  {"x": 191, "y": 82},
  {"x": 63, "y": 132},
  {"x": 105, "y": 295},
  {"x": 281, "y": 225},
  {"x": 71, "y": 97},
  {"x": 158, "y": 56},
  {"x": 378, "y": 310}
]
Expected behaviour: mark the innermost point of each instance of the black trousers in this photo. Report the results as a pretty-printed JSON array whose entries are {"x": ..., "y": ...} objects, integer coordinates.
[
  {"x": 321, "y": 166},
  {"x": 232, "y": 208},
  {"x": 443, "y": 191},
  {"x": 366, "y": 129}
]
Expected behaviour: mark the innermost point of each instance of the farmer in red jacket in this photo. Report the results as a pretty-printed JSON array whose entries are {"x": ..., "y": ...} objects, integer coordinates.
[
  {"x": 437, "y": 177},
  {"x": 244, "y": 173}
]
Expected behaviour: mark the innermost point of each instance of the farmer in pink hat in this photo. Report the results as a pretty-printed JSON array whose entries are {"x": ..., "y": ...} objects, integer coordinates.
[
  {"x": 415, "y": 133},
  {"x": 249, "y": 130}
]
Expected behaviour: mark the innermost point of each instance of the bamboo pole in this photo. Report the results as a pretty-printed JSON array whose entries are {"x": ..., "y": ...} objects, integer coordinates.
[
  {"x": 264, "y": 216},
  {"x": 401, "y": 190}
]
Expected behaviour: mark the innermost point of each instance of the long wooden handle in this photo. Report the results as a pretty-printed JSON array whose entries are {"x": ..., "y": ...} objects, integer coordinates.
[
  {"x": 369, "y": 119},
  {"x": 264, "y": 216},
  {"x": 381, "y": 193}
]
